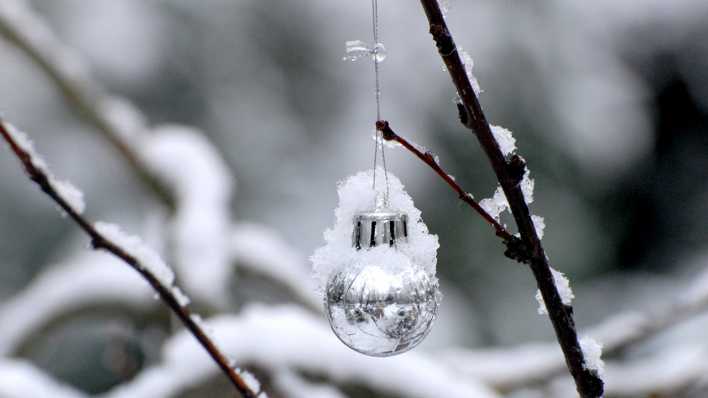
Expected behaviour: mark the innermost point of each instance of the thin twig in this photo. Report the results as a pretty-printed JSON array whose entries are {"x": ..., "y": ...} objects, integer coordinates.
[
  {"x": 588, "y": 384},
  {"x": 389, "y": 135},
  {"x": 100, "y": 242}
]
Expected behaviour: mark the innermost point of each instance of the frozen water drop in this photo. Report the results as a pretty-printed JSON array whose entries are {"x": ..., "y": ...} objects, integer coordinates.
[
  {"x": 355, "y": 49},
  {"x": 379, "y": 52}
]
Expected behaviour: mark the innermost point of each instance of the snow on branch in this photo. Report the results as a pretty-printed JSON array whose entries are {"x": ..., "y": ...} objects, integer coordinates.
[
  {"x": 21, "y": 379},
  {"x": 142, "y": 259},
  {"x": 183, "y": 158},
  {"x": 85, "y": 280},
  {"x": 177, "y": 163},
  {"x": 259, "y": 250},
  {"x": 532, "y": 363},
  {"x": 670, "y": 372},
  {"x": 256, "y": 336},
  {"x": 294, "y": 386},
  {"x": 510, "y": 171}
]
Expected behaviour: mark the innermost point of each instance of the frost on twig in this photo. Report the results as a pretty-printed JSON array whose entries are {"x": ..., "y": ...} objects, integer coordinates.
[
  {"x": 469, "y": 68},
  {"x": 148, "y": 259},
  {"x": 506, "y": 141},
  {"x": 564, "y": 290},
  {"x": 592, "y": 351},
  {"x": 69, "y": 192}
]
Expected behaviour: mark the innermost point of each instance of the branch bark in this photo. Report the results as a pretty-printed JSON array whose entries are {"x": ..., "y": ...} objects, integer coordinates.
[
  {"x": 101, "y": 242},
  {"x": 588, "y": 384}
]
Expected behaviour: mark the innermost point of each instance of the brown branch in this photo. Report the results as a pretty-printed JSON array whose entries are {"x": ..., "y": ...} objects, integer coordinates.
[
  {"x": 389, "y": 135},
  {"x": 100, "y": 242},
  {"x": 588, "y": 384}
]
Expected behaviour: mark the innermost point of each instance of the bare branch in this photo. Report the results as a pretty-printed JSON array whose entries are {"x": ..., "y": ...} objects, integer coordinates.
[
  {"x": 100, "y": 242},
  {"x": 587, "y": 382}
]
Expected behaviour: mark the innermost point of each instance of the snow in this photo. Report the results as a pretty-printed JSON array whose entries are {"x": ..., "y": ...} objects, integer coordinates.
[
  {"x": 273, "y": 338},
  {"x": 469, "y": 68},
  {"x": 90, "y": 279},
  {"x": 504, "y": 367},
  {"x": 564, "y": 290},
  {"x": 592, "y": 351},
  {"x": 182, "y": 298},
  {"x": 527, "y": 186},
  {"x": 133, "y": 245},
  {"x": 356, "y": 195},
  {"x": 661, "y": 374},
  {"x": 506, "y": 141},
  {"x": 21, "y": 379},
  {"x": 290, "y": 384},
  {"x": 495, "y": 205},
  {"x": 26, "y": 25},
  {"x": 249, "y": 379},
  {"x": 192, "y": 167},
  {"x": 23, "y": 141},
  {"x": 498, "y": 203},
  {"x": 262, "y": 251},
  {"x": 539, "y": 224},
  {"x": 123, "y": 117},
  {"x": 72, "y": 195}
]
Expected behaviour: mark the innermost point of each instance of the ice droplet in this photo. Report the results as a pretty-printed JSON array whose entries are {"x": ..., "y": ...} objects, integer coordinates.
[
  {"x": 379, "y": 52},
  {"x": 357, "y": 49}
]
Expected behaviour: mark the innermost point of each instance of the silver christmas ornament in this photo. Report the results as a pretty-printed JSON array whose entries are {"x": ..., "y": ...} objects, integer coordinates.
[{"x": 378, "y": 307}]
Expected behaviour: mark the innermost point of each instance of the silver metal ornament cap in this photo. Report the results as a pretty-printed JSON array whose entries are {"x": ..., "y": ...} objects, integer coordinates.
[{"x": 379, "y": 227}]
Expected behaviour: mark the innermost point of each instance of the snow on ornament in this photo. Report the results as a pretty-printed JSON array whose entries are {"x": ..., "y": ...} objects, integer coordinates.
[{"x": 376, "y": 271}]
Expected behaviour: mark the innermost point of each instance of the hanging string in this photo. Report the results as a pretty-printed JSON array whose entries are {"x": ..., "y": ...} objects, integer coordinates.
[{"x": 376, "y": 57}]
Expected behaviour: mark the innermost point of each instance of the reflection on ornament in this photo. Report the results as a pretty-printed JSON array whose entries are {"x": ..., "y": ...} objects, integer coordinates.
[{"x": 382, "y": 303}]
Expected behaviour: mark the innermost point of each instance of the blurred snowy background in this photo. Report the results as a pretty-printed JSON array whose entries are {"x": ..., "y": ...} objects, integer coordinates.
[{"x": 608, "y": 101}]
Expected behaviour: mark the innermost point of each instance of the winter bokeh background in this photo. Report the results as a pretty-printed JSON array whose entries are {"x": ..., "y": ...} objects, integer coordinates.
[{"x": 608, "y": 101}]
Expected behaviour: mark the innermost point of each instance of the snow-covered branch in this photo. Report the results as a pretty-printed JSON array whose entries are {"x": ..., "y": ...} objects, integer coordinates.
[
  {"x": 256, "y": 336},
  {"x": 130, "y": 249},
  {"x": 509, "y": 171},
  {"x": 88, "y": 279},
  {"x": 21, "y": 379}
]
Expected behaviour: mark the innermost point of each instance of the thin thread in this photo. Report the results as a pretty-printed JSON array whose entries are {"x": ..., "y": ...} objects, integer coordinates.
[
  {"x": 375, "y": 49},
  {"x": 379, "y": 140}
]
